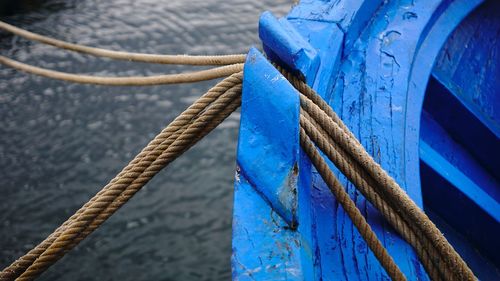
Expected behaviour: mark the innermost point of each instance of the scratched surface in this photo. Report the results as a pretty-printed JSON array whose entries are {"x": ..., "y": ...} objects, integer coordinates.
[{"x": 265, "y": 243}]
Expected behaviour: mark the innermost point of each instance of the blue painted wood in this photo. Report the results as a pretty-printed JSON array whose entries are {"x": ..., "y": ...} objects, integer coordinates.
[
  {"x": 265, "y": 245},
  {"x": 284, "y": 44},
  {"x": 267, "y": 154},
  {"x": 371, "y": 61}
]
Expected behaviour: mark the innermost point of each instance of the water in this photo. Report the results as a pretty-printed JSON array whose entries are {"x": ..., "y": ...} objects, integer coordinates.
[{"x": 60, "y": 142}]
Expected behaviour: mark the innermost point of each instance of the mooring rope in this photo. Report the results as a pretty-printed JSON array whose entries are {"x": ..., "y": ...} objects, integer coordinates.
[
  {"x": 188, "y": 77},
  {"x": 176, "y": 127},
  {"x": 97, "y": 213},
  {"x": 431, "y": 238},
  {"x": 138, "y": 57},
  {"x": 432, "y": 246},
  {"x": 319, "y": 125},
  {"x": 197, "y": 121},
  {"x": 350, "y": 208},
  {"x": 354, "y": 172}
]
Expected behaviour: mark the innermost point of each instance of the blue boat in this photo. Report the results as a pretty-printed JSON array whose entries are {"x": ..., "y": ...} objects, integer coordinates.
[{"x": 417, "y": 82}]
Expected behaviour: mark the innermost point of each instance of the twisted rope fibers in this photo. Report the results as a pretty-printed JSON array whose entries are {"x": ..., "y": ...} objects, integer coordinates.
[
  {"x": 205, "y": 123},
  {"x": 178, "y": 78},
  {"x": 446, "y": 259},
  {"x": 350, "y": 208},
  {"x": 137, "y": 57},
  {"x": 365, "y": 184},
  {"x": 91, "y": 218}
]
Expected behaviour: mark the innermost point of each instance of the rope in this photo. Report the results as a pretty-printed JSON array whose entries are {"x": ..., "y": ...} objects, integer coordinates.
[
  {"x": 188, "y": 77},
  {"x": 138, "y": 57},
  {"x": 350, "y": 207},
  {"x": 77, "y": 231},
  {"x": 393, "y": 194},
  {"x": 197, "y": 121},
  {"x": 450, "y": 264},
  {"x": 366, "y": 186}
]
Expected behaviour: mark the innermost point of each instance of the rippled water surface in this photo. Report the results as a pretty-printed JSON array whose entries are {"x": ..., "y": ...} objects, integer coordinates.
[{"x": 60, "y": 142}]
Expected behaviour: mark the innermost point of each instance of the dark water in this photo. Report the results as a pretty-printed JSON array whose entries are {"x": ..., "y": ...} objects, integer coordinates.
[{"x": 60, "y": 142}]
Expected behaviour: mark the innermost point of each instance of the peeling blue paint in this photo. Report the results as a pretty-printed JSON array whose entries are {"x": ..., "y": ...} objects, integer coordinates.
[
  {"x": 285, "y": 44},
  {"x": 371, "y": 61}
]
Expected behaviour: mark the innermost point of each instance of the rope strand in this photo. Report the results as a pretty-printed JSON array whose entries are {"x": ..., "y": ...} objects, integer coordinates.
[
  {"x": 350, "y": 208},
  {"x": 113, "y": 199},
  {"x": 393, "y": 194},
  {"x": 452, "y": 265},
  {"x": 143, "y": 159},
  {"x": 367, "y": 187},
  {"x": 188, "y": 77},
  {"x": 137, "y": 57}
]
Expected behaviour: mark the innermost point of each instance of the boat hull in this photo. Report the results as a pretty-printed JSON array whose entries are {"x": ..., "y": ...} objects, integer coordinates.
[{"x": 389, "y": 69}]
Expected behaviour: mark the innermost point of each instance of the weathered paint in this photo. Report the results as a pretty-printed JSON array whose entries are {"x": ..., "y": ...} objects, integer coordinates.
[
  {"x": 270, "y": 166},
  {"x": 287, "y": 45},
  {"x": 265, "y": 245},
  {"x": 371, "y": 61}
]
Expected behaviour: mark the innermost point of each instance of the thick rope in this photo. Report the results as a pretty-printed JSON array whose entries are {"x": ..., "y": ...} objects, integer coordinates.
[
  {"x": 393, "y": 194},
  {"x": 77, "y": 231},
  {"x": 145, "y": 158},
  {"x": 350, "y": 208},
  {"x": 321, "y": 107},
  {"x": 187, "y": 77},
  {"x": 187, "y": 135},
  {"x": 432, "y": 238},
  {"x": 366, "y": 186},
  {"x": 181, "y": 121},
  {"x": 138, "y": 57}
]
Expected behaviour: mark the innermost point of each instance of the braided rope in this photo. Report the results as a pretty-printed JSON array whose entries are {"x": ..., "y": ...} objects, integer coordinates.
[
  {"x": 97, "y": 213},
  {"x": 138, "y": 57},
  {"x": 187, "y": 77},
  {"x": 366, "y": 186},
  {"x": 181, "y": 121},
  {"x": 350, "y": 208},
  {"x": 450, "y": 263},
  {"x": 230, "y": 85},
  {"x": 393, "y": 194},
  {"x": 437, "y": 249}
]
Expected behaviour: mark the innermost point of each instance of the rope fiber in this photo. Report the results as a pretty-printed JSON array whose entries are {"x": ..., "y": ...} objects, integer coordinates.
[
  {"x": 137, "y": 57},
  {"x": 188, "y": 77},
  {"x": 350, "y": 207},
  {"x": 189, "y": 127},
  {"x": 366, "y": 186},
  {"x": 431, "y": 246}
]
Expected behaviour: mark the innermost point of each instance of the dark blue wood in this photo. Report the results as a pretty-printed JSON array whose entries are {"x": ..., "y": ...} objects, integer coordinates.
[
  {"x": 459, "y": 141},
  {"x": 371, "y": 61}
]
